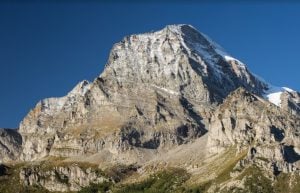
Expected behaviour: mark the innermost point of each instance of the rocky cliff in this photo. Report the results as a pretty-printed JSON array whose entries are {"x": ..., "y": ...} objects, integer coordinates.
[
  {"x": 246, "y": 120},
  {"x": 155, "y": 92},
  {"x": 168, "y": 98},
  {"x": 10, "y": 145}
]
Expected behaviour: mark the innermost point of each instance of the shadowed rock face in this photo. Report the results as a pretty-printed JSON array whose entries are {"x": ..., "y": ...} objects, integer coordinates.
[
  {"x": 10, "y": 144},
  {"x": 277, "y": 133},
  {"x": 291, "y": 102},
  {"x": 290, "y": 155},
  {"x": 3, "y": 170}
]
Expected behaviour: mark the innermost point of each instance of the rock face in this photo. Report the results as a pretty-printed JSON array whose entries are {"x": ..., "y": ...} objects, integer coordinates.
[
  {"x": 67, "y": 178},
  {"x": 156, "y": 91},
  {"x": 10, "y": 144},
  {"x": 160, "y": 95},
  {"x": 291, "y": 102},
  {"x": 284, "y": 97},
  {"x": 246, "y": 120}
]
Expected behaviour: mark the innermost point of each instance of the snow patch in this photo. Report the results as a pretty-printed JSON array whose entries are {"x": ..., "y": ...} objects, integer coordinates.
[
  {"x": 274, "y": 98},
  {"x": 288, "y": 89},
  {"x": 273, "y": 94}
]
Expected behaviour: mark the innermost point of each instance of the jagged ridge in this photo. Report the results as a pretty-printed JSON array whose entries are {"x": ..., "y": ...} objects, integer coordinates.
[{"x": 160, "y": 96}]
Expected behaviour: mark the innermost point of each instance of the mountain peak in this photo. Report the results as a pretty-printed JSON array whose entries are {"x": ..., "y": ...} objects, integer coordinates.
[
  {"x": 167, "y": 54},
  {"x": 177, "y": 28},
  {"x": 177, "y": 56}
]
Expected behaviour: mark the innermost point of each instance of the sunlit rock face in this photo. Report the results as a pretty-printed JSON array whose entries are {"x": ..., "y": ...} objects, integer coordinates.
[
  {"x": 247, "y": 121},
  {"x": 61, "y": 179},
  {"x": 162, "y": 93}
]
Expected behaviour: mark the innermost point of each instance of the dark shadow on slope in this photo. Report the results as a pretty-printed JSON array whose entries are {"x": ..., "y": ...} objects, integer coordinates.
[
  {"x": 131, "y": 135},
  {"x": 290, "y": 155},
  {"x": 278, "y": 133},
  {"x": 151, "y": 144},
  {"x": 16, "y": 137},
  {"x": 3, "y": 170},
  {"x": 217, "y": 93},
  {"x": 276, "y": 170},
  {"x": 134, "y": 137},
  {"x": 200, "y": 128},
  {"x": 183, "y": 131}
]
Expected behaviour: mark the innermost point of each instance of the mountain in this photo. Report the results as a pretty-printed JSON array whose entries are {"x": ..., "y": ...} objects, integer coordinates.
[{"x": 167, "y": 99}]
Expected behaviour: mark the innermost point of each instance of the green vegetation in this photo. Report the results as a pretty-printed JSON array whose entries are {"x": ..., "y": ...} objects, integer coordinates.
[
  {"x": 223, "y": 170},
  {"x": 97, "y": 188},
  {"x": 169, "y": 181},
  {"x": 10, "y": 182},
  {"x": 172, "y": 180},
  {"x": 287, "y": 183},
  {"x": 257, "y": 182},
  {"x": 119, "y": 172},
  {"x": 162, "y": 182},
  {"x": 196, "y": 189}
]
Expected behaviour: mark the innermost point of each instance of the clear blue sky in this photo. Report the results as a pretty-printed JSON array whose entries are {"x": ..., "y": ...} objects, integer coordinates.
[{"x": 45, "y": 49}]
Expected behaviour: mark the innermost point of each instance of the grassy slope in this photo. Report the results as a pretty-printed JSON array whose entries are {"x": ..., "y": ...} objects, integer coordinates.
[
  {"x": 10, "y": 183},
  {"x": 172, "y": 180}
]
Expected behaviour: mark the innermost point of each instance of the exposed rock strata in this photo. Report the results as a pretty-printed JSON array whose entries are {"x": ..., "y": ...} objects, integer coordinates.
[
  {"x": 10, "y": 145},
  {"x": 156, "y": 91},
  {"x": 61, "y": 178},
  {"x": 245, "y": 120},
  {"x": 169, "y": 98}
]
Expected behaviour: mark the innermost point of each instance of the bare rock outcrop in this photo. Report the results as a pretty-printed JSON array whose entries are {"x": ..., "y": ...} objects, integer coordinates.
[
  {"x": 61, "y": 178},
  {"x": 270, "y": 133},
  {"x": 10, "y": 145},
  {"x": 156, "y": 91},
  {"x": 291, "y": 102}
]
